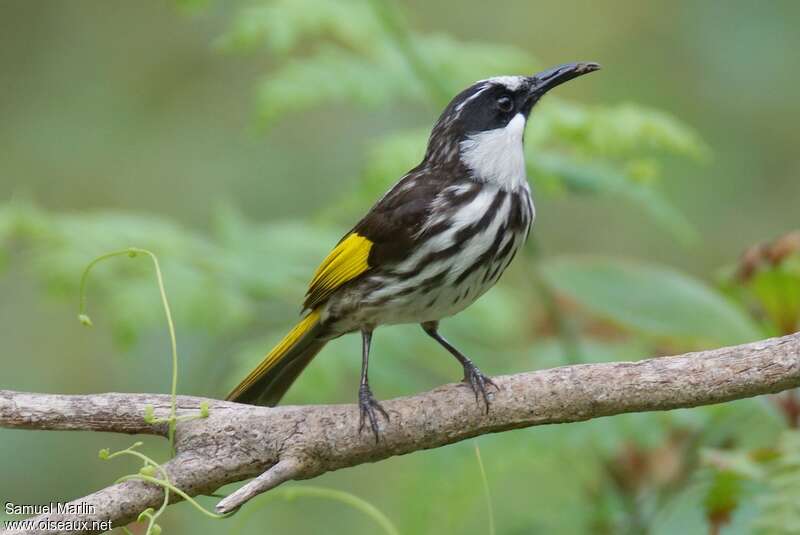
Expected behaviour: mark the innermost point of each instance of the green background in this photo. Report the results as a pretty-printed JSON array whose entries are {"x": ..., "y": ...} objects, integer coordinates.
[{"x": 110, "y": 107}]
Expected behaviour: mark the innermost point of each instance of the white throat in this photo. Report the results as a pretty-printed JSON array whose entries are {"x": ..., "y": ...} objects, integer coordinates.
[{"x": 495, "y": 156}]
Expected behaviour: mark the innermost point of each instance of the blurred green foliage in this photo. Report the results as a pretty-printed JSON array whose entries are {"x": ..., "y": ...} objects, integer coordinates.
[
  {"x": 652, "y": 300},
  {"x": 341, "y": 67},
  {"x": 362, "y": 52}
]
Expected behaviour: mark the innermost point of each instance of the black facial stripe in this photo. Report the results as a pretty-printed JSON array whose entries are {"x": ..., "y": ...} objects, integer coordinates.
[
  {"x": 482, "y": 112},
  {"x": 476, "y": 110}
]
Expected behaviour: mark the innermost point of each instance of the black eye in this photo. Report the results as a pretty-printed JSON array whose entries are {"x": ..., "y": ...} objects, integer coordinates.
[{"x": 505, "y": 104}]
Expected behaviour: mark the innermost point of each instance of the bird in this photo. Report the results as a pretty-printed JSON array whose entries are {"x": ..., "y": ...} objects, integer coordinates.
[{"x": 434, "y": 243}]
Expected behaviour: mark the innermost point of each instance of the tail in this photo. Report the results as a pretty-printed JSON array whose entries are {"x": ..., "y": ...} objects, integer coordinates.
[{"x": 267, "y": 384}]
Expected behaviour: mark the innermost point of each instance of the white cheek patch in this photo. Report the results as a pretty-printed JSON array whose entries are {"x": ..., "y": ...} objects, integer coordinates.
[{"x": 496, "y": 156}]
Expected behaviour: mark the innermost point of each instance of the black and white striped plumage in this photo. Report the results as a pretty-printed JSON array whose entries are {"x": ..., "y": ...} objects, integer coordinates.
[
  {"x": 453, "y": 238},
  {"x": 434, "y": 243}
]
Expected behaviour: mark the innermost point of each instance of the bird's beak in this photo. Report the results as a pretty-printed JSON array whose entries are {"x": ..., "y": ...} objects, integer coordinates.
[{"x": 544, "y": 81}]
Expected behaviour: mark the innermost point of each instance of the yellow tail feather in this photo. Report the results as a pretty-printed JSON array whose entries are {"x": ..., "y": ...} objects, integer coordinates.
[{"x": 277, "y": 354}]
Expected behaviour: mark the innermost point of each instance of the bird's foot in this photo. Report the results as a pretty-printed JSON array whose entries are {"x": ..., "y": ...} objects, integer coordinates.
[
  {"x": 478, "y": 382},
  {"x": 369, "y": 408}
]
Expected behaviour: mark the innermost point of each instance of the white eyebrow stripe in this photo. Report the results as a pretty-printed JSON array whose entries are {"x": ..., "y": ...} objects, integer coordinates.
[
  {"x": 474, "y": 96},
  {"x": 512, "y": 83}
]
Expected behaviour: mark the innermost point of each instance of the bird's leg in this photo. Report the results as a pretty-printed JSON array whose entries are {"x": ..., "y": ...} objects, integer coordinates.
[
  {"x": 366, "y": 401},
  {"x": 473, "y": 377}
]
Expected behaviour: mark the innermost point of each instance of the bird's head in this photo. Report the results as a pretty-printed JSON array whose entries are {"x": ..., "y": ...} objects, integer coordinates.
[{"x": 482, "y": 126}]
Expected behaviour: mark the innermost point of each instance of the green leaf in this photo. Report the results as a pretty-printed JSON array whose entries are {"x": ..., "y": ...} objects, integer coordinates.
[
  {"x": 334, "y": 75},
  {"x": 192, "y": 5},
  {"x": 59, "y": 246},
  {"x": 461, "y": 63},
  {"x": 614, "y": 131},
  {"x": 651, "y": 299},
  {"x": 778, "y": 513},
  {"x": 602, "y": 179},
  {"x": 390, "y": 158},
  {"x": 723, "y": 497},
  {"x": 772, "y": 291},
  {"x": 283, "y": 25},
  {"x": 379, "y": 75}
]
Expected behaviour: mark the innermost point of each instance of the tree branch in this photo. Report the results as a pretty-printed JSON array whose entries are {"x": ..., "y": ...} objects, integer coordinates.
[{"x": 279, "y": 444}]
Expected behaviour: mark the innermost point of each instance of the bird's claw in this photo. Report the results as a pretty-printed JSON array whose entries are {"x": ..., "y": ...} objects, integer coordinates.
[
  {"x": 478, "y": 382},
  {"x": 368, "y": 407}
]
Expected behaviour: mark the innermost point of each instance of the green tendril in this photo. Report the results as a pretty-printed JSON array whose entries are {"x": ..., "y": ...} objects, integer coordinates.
[
  {"x": 150, "y": 466},
  {"x": 351, "y": 500},
  {"x": 133, "y": 252},
  {"x": 486, "y": 493},
  {"x": 172, "y": 488}
]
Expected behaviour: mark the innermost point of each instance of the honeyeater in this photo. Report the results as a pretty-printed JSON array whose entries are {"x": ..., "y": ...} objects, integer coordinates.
[{"x": 434, "y": 243}]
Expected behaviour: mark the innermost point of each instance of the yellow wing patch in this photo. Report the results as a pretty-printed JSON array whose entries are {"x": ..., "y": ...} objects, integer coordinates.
[{"x": 347, "y": 261}]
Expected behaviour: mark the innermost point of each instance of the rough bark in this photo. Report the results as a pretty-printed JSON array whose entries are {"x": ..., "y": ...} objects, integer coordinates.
[{"x": 237, "y": 442}]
